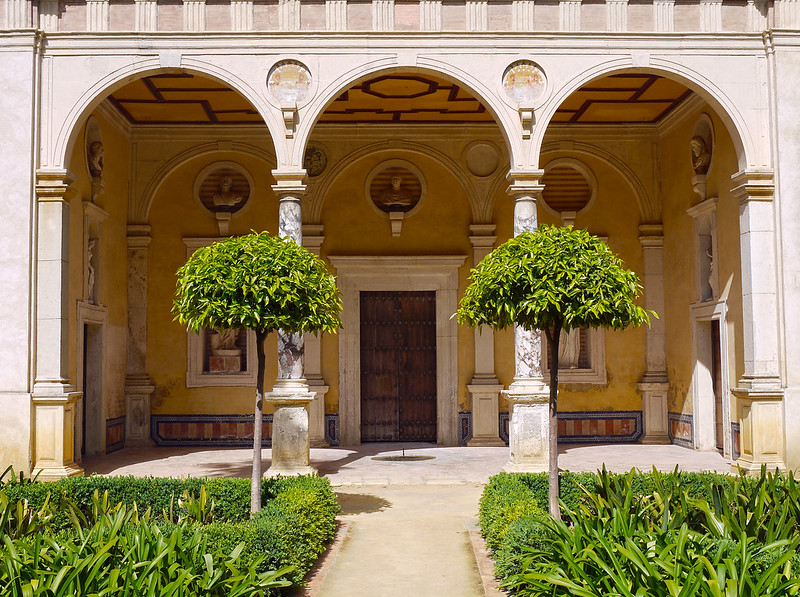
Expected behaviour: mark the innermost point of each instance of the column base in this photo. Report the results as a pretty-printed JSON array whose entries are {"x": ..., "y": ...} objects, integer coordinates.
[
  {"x": 655, "y": 417},
  {"x": 761, "y": 425},
  {"x": 529, "y": 427},
  {"x": 485, "y": 423},
  {"x": 290, "y": 438},
  {"x": 45, "y": 472}
]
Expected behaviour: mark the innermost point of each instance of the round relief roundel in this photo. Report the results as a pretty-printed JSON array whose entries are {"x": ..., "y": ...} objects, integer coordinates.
[
  {"x": 524, "y": 82},
  {"x": 289, "y": 82}
]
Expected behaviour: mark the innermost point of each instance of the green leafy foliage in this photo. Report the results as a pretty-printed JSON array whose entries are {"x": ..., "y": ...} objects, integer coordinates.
[
  {"x": 552, "y": 276},
  {"x": 289, "y": 534},
  {"x": 259, "y": 282},
  {"x": 654, "y": 534}
]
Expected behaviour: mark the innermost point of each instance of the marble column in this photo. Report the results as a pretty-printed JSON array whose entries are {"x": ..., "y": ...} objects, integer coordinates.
[
  {"x": 54, "y": 398},
  {"x": 760, "y": 391},
  {"x": 138, "y": 385},
  {"x": 484, "y": 387},
  {"x": 290, "y": 395},
  {"x": 312, "y": 240},
  {"x": 654, "y": 385},
  {"x": 529, "y": 395}
]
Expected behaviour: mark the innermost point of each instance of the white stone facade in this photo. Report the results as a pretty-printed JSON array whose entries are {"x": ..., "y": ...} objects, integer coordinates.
[{"x": 742, "y": 61}]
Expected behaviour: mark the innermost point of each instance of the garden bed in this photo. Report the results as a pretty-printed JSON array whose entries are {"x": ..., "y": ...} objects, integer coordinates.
[
  {"x": 161, "y": 536},
  {"x": 650, "y": 534}
]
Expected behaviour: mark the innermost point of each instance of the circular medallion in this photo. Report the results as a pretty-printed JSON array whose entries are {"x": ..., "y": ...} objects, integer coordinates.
[
  {"x": 482, "y": 159},
  {"x": 289, "y": 82},
  {"x": 223, "y": 187},
  {"x": 315, "y": 161},
  {"x": 524, "y": 82}
]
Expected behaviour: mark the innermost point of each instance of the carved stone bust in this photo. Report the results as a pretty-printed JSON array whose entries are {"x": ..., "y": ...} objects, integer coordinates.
[
  {"x": 701, "y": 156},
  {"x": 96, "y": 151}
]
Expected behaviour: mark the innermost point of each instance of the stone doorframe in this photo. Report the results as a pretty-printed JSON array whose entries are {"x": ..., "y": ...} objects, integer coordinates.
[
  {"x": 89, "y": 314},
  {"x": 437, "y": 273},
  {"x": 703, "y": 413}
]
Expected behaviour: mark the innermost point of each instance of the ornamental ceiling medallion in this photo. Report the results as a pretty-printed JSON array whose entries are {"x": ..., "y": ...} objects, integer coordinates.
[
  {"x": 524, "y": 82},
  {"x": 289, "y": 82}
]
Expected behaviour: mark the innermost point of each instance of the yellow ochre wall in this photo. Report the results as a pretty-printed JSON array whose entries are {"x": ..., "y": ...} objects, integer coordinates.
[
  {"x": 112, "y": 272},
  {"x": 679, "y": 275},
  {"x": 175, "y": 214}
]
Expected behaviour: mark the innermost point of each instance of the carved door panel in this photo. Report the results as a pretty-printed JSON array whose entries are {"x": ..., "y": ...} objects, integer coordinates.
[{"x": 398, "y": 366}]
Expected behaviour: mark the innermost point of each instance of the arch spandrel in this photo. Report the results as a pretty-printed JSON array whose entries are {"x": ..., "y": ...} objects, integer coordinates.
[
  {"x": 65, "y": 106},
  {"x": 732, "y": 106}
]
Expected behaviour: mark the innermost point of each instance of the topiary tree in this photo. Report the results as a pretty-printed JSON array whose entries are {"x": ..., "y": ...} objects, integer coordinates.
[
  {"x": 262, "y": 283},
  {"x": 552, "y": 279}
]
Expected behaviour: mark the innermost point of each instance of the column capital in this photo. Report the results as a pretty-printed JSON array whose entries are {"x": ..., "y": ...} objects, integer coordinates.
[
  {"x": 753, "y": 185},
  {"x": 525, "y": 183},
  {"x": 651, "y": 236},
  {"x": 138, "y": 235},
  {"x": 53, "y": 185},
  {"x": 289, "y": 184},
  {"x": 482, "y": 236}
]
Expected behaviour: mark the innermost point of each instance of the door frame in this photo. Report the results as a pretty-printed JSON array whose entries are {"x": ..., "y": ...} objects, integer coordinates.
[
  {"x": 703, "y": 409},
  {"x": 425, "y": 272},
  {"x": 97, "y": 316}
]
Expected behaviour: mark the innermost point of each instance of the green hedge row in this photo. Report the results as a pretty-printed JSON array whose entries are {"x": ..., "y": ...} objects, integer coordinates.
[
  {"x": 297, "y": 520},
  {"x": 678, "y": 534}
]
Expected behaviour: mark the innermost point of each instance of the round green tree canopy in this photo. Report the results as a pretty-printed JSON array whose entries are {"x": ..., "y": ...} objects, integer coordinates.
[
  {"x": 552, "y": 275},
  {"x": 257, "y": 281}
]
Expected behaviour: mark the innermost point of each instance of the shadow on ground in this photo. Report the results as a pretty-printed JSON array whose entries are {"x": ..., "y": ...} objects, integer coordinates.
[{"x": 361, "y": 503}]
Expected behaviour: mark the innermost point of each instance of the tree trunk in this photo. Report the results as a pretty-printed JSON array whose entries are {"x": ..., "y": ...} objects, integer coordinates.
[
  {"x": 553, "y": 340},
  {"x": 255, "y": 486}
]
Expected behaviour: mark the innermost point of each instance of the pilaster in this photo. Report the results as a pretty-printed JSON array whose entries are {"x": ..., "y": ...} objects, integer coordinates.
[
  {"x": 138, "y": 385},
  {"x": 289, "y": 15},
  {"x": 787, "y": 14},
  {"x": 759, "y": 392},
  {"x": 97, "y": 15},
  {"x": 710, "y": 16},
  {"x": 617, "y": 15},
  {"x": 522, "y": 18},
  {"x": 18, "y": 14},
  {"x": 194, "y": 15},
  {"x": 569, "y": 15},
  {"x": 382, "y": 15},
  {"x": 312, "y": 240},
  {"x": 664, "y": 15},
  {"x": 477, "y": 15},
  {"x": 430, "y": 15},
  {"x": 48, "y": 15},
  {"x": 336, "y": 15},
  {"x": 756, "y": 15},
  {"x": 242, "y": 15}
]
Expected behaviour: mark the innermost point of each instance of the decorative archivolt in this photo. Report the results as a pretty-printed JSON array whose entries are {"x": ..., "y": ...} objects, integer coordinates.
[
  {"x": 321, "y": 189},
  {"x": 139, "y": 207}
]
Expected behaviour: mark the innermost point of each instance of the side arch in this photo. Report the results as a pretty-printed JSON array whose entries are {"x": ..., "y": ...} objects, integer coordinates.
[
  {"x": 503, "y": 115},
  {"x": 321, "y": 192},
  {"x": 139, "y": 208},
  {"x": 723, "y": 105},
  {"x": 113, "y": 80}
]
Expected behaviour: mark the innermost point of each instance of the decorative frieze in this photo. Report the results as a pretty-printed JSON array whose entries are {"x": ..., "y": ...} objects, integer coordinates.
[
  {"x": 617, "y": 15},
  {"x": 336, "y": 15},
  {"x": 289, "y": 15},
  {"x": 477, "y": 15},
  {"x": 382, "y": 15},
  {"x": 97, "y": 15},
  {"x": 430, "y": 15},
  {"x": 146, "y": 15},
  {"x": 664, "y": 15},
  {"x": 522, "y": 15},
  {"x": 242, "y": 15},
  {"x": 710, "y": 16},
  {"x": 194, "y": 15},
  {"x": 569, "y": 15}
]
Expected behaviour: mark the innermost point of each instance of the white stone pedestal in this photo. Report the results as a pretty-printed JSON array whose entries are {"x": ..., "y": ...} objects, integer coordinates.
[
  {"x": 654, "y": 412},
  {"x": 290, "y": 438},
  {"x": 485, "y": 426},
  {"x": 761, "y": 430},
  {"x": 528, "y": 429},
  {"x": 54, "y": 444}
]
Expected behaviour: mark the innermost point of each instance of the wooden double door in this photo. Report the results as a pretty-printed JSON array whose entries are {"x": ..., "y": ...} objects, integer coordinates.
[{"x": 398, "y": 366}]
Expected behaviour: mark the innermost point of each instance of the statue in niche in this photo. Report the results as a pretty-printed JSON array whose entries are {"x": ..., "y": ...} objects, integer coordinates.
[
  {"x": 701, "y": 157},
  {"x": 569, "y": 349},
  {"x": 90, "y": 275},
  {"x": 396, "y": 197},
  {"x": 712, "y": 279},
  {"x": 96, "y": 151},
  {"x": 225, "y": 197}
]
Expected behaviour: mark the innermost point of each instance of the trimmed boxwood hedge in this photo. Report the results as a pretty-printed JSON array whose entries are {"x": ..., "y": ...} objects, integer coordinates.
[{"x": 297, "y": 520}]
